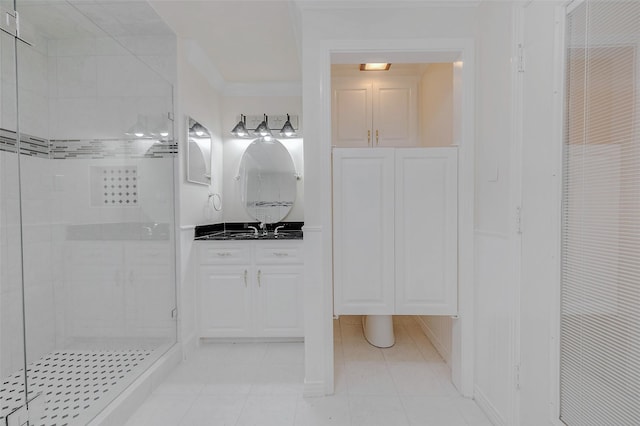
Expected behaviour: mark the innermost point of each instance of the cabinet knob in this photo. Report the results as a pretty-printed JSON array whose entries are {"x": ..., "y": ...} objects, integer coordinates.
[
  {"x": 377, "y": 140},
  {"x": 223, "y": 254},
  {"x": 368, "y": 137},
  {"x": 245, "y": 277},
  {"x": 280, "y": 254},
  {"x": 259, "y": 276}
]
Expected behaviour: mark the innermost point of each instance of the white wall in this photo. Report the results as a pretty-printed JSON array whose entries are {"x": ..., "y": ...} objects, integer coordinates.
[
  {"x": 234, "y": 148},
  {"x": 197, "y": 98},
  {"x": 494, "y": 217},
  {"x": 439, "y": 330},
  {"x": 542, "y": 145},
  {"x": 436, "y": 102}
]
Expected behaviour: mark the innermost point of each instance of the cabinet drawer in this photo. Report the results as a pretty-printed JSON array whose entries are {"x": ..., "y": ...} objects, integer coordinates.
[
  {"x": 227, "y": 254},
  {"x": 280, "y": 253}
]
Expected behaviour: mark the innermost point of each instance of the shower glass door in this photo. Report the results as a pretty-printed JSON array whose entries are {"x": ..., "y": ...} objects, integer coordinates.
[
  {"x": 96, "y": 199},
  {"x": 12, "y": 348}
]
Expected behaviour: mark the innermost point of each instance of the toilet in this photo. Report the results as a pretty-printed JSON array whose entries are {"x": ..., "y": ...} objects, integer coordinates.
[{"x": 378, "y": 330}]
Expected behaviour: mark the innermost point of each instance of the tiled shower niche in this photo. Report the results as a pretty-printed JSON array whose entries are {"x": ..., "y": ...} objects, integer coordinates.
[{"x": 114, "y": 186}]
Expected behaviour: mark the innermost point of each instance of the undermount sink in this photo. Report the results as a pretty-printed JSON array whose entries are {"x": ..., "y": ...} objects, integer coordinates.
[{"x": 251, "y": 235}]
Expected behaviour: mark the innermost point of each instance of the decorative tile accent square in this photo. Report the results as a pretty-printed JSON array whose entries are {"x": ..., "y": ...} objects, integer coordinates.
[{"x": 114, "y": 186}]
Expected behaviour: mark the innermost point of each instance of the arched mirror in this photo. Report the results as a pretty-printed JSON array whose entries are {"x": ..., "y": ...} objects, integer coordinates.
[
  {"x": 268, "y": 180},
  {"x": 199, "y": 153}
]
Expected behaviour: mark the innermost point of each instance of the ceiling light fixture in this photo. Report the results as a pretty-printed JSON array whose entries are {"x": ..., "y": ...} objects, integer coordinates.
[
  {"x": 377, "y": 66},
  {"x": 288, "y": 130},
  {"x": 241, "y": 128}
]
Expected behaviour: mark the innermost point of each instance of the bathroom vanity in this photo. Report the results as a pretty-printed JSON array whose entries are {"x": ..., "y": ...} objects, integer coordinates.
[
  {"x": 250, "y": 280},
  {"x": 250, "y": 288}
]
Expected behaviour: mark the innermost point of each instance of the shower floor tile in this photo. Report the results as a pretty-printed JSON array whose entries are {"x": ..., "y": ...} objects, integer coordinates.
[{"x": 74, "y": 383}]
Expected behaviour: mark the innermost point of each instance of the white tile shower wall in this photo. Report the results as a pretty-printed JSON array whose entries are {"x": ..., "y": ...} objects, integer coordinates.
[
  {"x": 11, "y": 347},
  {"x": 42, "y": 271},
  {"x": 98, "y": 89}
]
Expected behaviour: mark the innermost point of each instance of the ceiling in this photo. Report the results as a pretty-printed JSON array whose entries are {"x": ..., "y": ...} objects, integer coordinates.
[{"x": 246, "y": 41}]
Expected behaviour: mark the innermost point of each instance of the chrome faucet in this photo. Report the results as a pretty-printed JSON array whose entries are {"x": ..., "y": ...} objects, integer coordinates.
[
  {"x": 276, "y": 230},
  {"x": 263, "y": 226},
  {"x": 255, "y": 230}
]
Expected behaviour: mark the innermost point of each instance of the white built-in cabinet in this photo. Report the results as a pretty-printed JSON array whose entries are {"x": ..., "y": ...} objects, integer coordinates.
[
  {"x": 372, "y": 113},
  {"x": 395, "y": 231},
  {"x": 250, "y": 289}
]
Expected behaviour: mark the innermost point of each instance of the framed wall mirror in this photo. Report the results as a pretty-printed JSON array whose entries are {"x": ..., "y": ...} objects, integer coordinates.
[
  {"x": 268, "y": 180},
  {"x": 198, "y": 153}
]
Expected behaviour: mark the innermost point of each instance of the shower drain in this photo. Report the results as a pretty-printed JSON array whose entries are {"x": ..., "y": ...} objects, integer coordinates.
[{"x": 71, "y": 382}]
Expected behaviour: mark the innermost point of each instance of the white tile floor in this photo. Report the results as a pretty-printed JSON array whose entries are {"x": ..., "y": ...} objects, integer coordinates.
[{"x": 261, "y": 384}]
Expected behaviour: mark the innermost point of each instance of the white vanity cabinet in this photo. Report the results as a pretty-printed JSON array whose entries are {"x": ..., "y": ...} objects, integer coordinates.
[
  {"x": 371, "y": 113},
  {"x": 250, "y": 289},
  {"x": 395, "y": 231}
]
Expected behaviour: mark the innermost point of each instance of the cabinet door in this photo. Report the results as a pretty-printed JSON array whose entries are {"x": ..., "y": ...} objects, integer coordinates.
[
  {"x": 351, "y": 114},
  {"x": 279, "y": 301},
  {"x": 363, "y": 204},
  {"x": 426, "y": 231},
  {"x": 225, "y": 301},
  {"x": 395, "y": 112}
]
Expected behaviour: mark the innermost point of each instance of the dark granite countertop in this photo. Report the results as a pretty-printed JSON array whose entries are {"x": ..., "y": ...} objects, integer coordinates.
[{"x": 239, "y": 231}]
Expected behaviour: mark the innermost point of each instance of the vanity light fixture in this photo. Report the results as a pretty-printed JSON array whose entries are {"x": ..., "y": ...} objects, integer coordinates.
[
  {"x": 263, "y": 129},
  {"x": 197, "y": 130},
  {"x": 288, "y": 130},
  {"x": 377, "y": 66},
  {"x": 241, "y": 128}
]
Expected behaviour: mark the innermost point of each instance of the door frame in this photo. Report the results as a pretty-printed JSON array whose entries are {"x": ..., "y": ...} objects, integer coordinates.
[{"x": 461, "y": 52}]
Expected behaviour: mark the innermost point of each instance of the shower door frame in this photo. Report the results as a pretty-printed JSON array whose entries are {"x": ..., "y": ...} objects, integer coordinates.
[{"x": 30, "y": 408}]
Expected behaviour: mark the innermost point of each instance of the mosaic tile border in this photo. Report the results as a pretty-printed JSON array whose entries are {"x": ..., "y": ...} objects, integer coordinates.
[
  {"x": 86, "y": 148},
  {"x": 102, "y": 149}
]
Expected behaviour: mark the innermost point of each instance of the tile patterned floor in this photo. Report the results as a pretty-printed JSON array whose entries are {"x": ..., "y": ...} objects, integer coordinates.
[
  {"x": 73, "y": 382},
  {"x": 225, "y": 384}
]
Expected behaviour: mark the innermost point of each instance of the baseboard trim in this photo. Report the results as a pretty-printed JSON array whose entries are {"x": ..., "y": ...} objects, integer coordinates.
[
  {"x": 437, "y": 343},
  {"x": 314, "y": 389},
  {"x": 488, "y": 408}
]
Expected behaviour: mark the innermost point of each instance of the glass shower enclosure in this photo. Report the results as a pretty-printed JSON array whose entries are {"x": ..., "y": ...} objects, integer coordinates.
[{"x": 87, "y": 242}]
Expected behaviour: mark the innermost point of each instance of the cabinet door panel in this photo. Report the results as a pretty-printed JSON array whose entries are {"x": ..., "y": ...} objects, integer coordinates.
[
  {"x": 363, "y": 231},
  {"x": 279, "y": 301},
  {"x": 225, "y": 303},
  {"x": 351, "y": 114},
  {"x": 395, "y": 113},
  {"x": 426, "y": 231}
]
